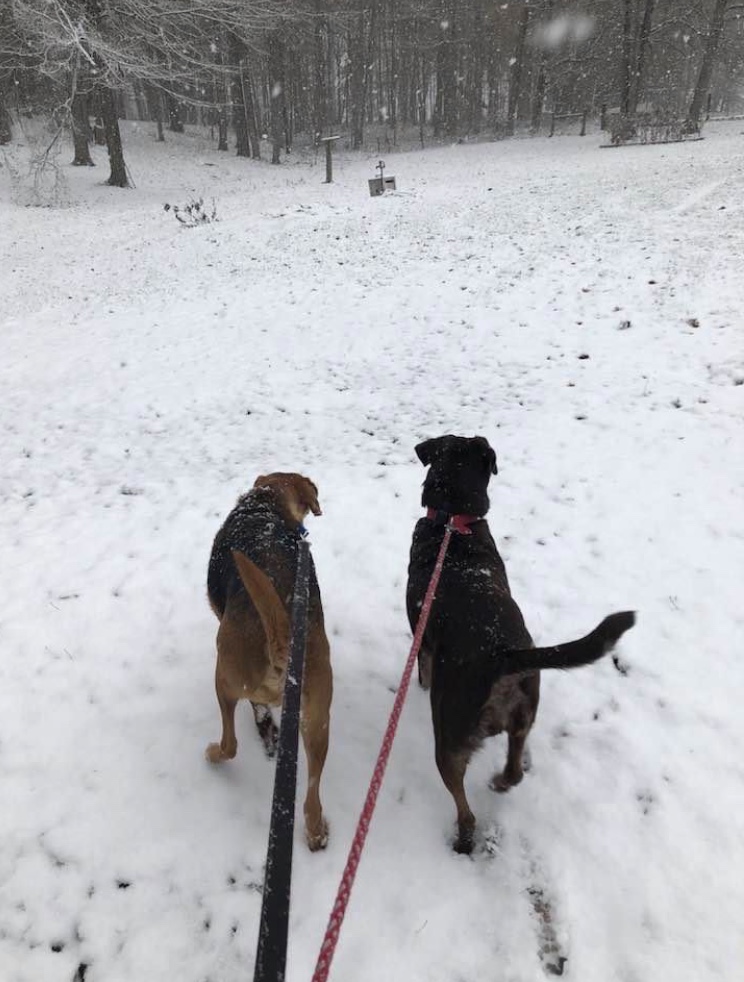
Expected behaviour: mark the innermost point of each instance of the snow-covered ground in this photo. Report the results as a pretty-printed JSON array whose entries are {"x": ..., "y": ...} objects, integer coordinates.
[{"x": 580, "y": 307}]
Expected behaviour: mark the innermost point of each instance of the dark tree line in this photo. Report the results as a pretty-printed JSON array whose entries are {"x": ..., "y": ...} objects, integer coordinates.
[{"x": 268, "y": 70}]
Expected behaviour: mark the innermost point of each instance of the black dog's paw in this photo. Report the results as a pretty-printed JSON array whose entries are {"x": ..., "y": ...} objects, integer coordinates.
[
  {"x": 269, "y": 733},
  {"x": 505, "y": 781}
]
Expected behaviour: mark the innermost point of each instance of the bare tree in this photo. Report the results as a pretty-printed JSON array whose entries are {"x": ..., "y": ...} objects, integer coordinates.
[
  {"x": 642, "y": 44},
  {"x": 517, "y": 68},
  {"x": 6, "y": 128},
  {"x": 710, "y": 50},
  {"x": 312, "y": 66}
]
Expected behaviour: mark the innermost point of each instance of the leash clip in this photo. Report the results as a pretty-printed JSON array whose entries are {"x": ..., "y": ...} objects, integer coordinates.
[
  {"x": 460, "y": 524},
  {"x": 454, "y": 523}
]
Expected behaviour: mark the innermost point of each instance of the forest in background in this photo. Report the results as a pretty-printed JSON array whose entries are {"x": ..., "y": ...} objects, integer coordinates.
[{"x": 267, "y": 74}]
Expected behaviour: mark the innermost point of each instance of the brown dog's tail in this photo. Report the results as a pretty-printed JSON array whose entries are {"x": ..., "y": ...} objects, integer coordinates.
[
  {"x": 270, "y": 609},
  {"x": 582, "y": 652}
]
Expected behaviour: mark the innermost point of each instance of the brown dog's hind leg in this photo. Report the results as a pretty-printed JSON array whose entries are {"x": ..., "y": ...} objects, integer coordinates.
[
  {"x": 452, "y": 767},
  {"x": 228, "y": 745},
  {"x": 316, "y": 704},
  {"x": 267, "y": 728},
  {"x": 513, "y": 773}
]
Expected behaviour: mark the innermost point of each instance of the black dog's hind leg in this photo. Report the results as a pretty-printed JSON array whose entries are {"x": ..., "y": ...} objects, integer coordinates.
[
  {"x": 514, "y": 771},
  {"x": 424, "y": 668},
  {"x": 518, "y": 728},
  {"x": 452, "y": 767},
  {"x": 267, "y": 728}
]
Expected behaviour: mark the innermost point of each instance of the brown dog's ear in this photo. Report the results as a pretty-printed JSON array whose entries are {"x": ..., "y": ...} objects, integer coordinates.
[
  {"x": 311, "y": 497},
  {"x": 489, "y": 454},
  {"x": 426, "y": 450}
]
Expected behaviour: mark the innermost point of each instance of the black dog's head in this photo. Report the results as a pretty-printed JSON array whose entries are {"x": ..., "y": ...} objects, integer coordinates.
[{"x": 460, "y": 468}]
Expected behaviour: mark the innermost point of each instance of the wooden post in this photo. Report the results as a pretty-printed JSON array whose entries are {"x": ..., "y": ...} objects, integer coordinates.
[
  {"x": 552, "y": 123},
  {"x": 603, "y": 116},
  {"x": 329, "y": 162},
  {"x": 583, "y": 124},
  {"x": 329, "y": 141}
]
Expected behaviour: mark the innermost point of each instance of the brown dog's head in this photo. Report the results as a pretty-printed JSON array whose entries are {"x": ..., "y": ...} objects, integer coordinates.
[
  {"x": 296, "y": 495},
  {"x": 460, "y": 468}
]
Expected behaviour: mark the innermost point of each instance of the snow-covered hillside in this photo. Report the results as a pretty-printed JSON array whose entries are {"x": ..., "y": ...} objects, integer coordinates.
[{"x": 582, "y": 308}]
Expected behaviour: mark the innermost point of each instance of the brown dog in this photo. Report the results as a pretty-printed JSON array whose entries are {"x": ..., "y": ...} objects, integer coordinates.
[{"x": 250, "y": 584}]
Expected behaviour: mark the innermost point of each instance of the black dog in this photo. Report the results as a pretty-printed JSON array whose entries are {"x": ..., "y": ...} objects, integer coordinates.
[{"x": 477, "y": 655}]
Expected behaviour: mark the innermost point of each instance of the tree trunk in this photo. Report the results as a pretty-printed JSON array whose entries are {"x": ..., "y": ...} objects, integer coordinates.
[
  {"x": 118, "y": 177},
  {"x": 626, "y": 65},
  {"x": 710, "y": 50},
  {"x": 320, "y": 95},
  {"x": 155, "y": 105},
  {"x": 236, "y": 51},
  {"x": 254, "y": 132},
  {"x": 476, "y": 68},
  {"x": 539, "y": 97},
  {"x": 493, "y": 79},
  {"x": 446, "y": 116},
  {"x": 517, "y": 70},
  {"x": 240, "y": 121},
  {"x": 538, "y": 101},
  {"x": 422, "y": 92},
  {"x": 140, "y": 99},
  {"x": 6, "y": 130},
  {"x": 358, "y": 79},
  {"x": 222, "y": 127},
  {"x": 242, "y": 81},
  {"x": 175, "y": 123},
  {"x": 81, "y": 133},
  {"x": 644, "y": 37},
  {"x": 276, "y": 94},
  {"x": 394, "y": 83}
]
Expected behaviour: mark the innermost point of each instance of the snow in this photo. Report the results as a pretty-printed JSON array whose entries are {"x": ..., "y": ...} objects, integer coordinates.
[{"x": 150, "y": 372}]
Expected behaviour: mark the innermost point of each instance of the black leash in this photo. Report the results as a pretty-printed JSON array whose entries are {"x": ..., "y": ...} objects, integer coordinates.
[{"x": 271, "y": 953}]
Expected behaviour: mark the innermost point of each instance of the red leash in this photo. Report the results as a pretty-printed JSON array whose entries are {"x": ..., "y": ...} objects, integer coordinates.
[{"x": 335, "y": 921}]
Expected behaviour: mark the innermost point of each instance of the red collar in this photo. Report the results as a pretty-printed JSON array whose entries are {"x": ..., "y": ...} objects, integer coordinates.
[{"x": 460, "y": 523}]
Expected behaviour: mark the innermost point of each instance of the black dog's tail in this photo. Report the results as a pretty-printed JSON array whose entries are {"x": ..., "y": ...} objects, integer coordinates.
[{"x": 582, "y": 652}]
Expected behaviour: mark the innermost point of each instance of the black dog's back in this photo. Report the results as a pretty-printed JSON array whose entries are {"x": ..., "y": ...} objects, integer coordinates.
[
  {"x": 476, "y": 628},
  {"x": 474, "y": 623},
  {"x": 474, "y": 613}
]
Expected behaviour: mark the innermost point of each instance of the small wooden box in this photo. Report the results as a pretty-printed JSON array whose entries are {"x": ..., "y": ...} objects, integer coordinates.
[{"x": 378, "y": 185}]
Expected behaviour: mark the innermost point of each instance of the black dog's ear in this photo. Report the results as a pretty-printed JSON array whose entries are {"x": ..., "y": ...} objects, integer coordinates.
[
  {"x": 426, "y": 450},
  {"x": 489, "y": 454}
]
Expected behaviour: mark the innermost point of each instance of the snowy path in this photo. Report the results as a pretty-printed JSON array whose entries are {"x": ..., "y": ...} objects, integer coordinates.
[{"x": 581, "y": 309}]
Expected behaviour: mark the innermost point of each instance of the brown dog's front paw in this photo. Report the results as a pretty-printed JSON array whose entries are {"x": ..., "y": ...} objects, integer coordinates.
[
  {"x": 317, "y": 839},
  {"x": 501, "y": 783},
  {"x": 215, "y": 753}
]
